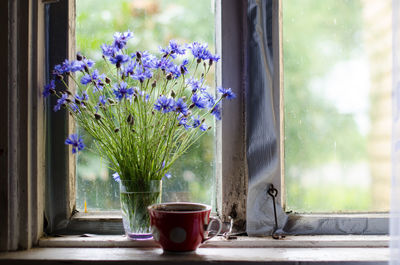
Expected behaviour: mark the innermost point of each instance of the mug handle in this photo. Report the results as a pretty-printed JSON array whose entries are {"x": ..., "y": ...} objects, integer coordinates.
[{"x": 213, "y": 219}]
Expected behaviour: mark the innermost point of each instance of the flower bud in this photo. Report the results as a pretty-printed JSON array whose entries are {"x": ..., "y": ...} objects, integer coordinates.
[
  {"x": 138, "y": 55},
  {"x": 52, "y": 91},
  {"x": 97, "y": 116},
  {"x": 108, "y": 81},
  {"x": 153, "y": 85},
  {"x": 198, "y": 60},
  {"x": 111, "y": 101},
  {"x": 173, "y": 94},
  {"x": 130, "y": 119},
  {"x": 118, "y": 64},
  {"x": 182, "y": 70},
  {"x": 210, "y": 62},
  {"x": 77, "y": 101},
  {"x": 68, "y": 92},
  {"x": 60, "y": 77},
  {"x": 169, "y": 76},
  {"x": 192, "y": 106},
  {"x": 204, "y": 64},
  {"x": 79, "y": 56},
  {"x": 116, "y": 130},
  {"x": 68, "y": 100}
]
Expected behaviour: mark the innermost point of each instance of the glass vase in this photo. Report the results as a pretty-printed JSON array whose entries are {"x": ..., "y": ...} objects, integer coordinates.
[{"x": 135, "y": 198}]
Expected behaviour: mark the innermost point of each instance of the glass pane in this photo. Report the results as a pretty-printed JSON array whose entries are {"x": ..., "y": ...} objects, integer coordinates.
[
  {"x": 337, "y": 96},
  {"x": 153, "y": 23}
]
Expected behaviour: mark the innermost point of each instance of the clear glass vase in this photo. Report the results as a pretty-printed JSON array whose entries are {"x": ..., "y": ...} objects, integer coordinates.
[{"x": 135, "y": 198}]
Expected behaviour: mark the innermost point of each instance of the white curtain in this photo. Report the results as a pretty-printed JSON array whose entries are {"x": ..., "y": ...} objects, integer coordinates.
[{"x": 395, "y": 203}]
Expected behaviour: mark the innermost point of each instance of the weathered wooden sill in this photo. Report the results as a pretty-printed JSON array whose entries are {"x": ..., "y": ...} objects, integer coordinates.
[
  {"x": 328, "y": 241},
  {"x": 295, "y": 256},
  {"x": 96, "y": 249}
]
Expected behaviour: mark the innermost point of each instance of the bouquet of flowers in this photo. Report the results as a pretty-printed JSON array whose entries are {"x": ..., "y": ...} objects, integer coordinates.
[{"x": 145, "y": 111}]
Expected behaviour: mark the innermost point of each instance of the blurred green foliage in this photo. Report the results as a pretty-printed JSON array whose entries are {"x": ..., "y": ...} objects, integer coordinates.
[
  {"x": 154, "y": 23},
  {"x": 316, "y": 36}
]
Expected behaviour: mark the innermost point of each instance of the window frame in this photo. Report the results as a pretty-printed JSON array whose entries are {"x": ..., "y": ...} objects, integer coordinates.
[
  {"x": 26, "y": 166},
  {"x": 231, "y": 160}
]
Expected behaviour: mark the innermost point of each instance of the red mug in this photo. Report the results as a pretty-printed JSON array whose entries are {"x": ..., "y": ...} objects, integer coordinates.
[{"x": 181, "y": 226}]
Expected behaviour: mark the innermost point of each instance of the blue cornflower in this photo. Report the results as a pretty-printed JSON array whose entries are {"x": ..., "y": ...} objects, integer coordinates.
[
  {"x": 86, "y": 79},
  {"x": 83, "y": 97},
  {"x": 48, "y": 87},
  {"x": 196, "y": 121},
  {"x": 209, "y": 99},
  {"x": 226, "y": 93},
  {"x": 175, "y": 71},
  {"x": 194, "y": 84},
  {"x": 116, "y": 177},
  {"x": 165, "y": 104},
  {"x": 74, "y": 107},
  {"x": 119, "y": 59},
  {"x": 142, "y": 75},
  {"x": 172, "y": 49},
  {"x": 180, "y": 107},
  {"x": 199, "y": 101},
  {"x": 129, "y": 68},
  {"x": 203, "y": 127},
  {"x": 120, "y": 39},
  {"x": 108, "y": 50},
  {"x": 87, "y": 62},
  {"x": 214, "y": 57},
  {"x": 76, "y": 142},
  {"x": 166, "y": 176},
  {"x": 200, "y": 51},
  {"x": 216, "y": 111},
  {"x": 122, "y": 90},
  {"x": 60, "y": 102},
  {"x": 102, "y": 100},
  {"x": 183, "y": 121},
  {"x": 58, "y": 69},
  {"x": 73, "y": 66},
  {"x": 164, "y": 64},
  {"x": 183, "y": 67},
  {"x": 148, "y": 60}
]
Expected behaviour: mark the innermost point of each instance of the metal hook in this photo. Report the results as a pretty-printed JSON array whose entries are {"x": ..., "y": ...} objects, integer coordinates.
[{"x": 273, "y": 192}]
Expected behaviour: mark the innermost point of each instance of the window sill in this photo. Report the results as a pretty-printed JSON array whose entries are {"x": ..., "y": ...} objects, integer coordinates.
[
  {"x": 291, "y": 250},
  {"x": 328, "y": 241},
  {"x": 205, "y": 255}
]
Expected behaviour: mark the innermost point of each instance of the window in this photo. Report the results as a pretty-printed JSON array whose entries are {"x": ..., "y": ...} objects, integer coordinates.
[
  {"x": 60, "y": 182},
  {"x": 231, "y": 161},
  {"x": 153, "y": 23},
  {"x": 337, "y": 114}
]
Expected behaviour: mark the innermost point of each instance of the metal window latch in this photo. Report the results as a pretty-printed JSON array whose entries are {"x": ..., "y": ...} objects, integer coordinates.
[
  {"x": 273, "y": 193},
  {"x": 228, "y": 234}
]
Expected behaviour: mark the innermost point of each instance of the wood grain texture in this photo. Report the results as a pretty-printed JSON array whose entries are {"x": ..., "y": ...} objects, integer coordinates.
[
  {"x": 4, "y": 132},
  {"x": 350, "y": 241},
  {"x": 231, "y": 151},
  {"x": 201, "y": 256}
]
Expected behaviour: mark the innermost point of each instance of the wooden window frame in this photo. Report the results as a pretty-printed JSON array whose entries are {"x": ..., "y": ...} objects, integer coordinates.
[
  {"x": 29, "y": 141},
  {"x": 231, "y": 163}
]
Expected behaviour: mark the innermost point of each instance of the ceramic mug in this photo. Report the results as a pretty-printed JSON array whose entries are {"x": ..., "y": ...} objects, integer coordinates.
[{"x": 181, "y": 226}]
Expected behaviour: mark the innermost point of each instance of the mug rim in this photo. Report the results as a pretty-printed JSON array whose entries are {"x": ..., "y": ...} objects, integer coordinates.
[{"x": 206, "y": 207}]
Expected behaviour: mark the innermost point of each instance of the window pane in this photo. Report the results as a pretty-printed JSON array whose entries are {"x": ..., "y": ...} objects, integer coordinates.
[
  {"x": 337, "y": 96},
  {"x": 153, "y": 23}
]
